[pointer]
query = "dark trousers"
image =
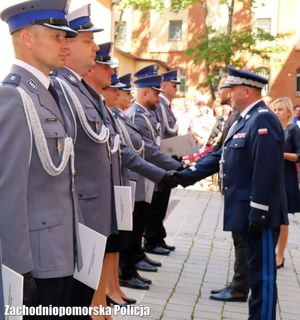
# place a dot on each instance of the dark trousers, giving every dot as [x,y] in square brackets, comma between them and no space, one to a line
[240,279]
[81,296]
[155,231]
[262,272]
[55,292]
[131,250]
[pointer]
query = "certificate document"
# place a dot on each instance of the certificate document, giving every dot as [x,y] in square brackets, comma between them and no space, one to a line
[180,145]
[13,291]
[93,250]
[123,201]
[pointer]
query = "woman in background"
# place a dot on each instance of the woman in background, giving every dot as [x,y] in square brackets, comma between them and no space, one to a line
[283,109]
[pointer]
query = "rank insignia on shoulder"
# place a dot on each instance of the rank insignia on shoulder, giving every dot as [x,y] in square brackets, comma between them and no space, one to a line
[72,78]
[263,110]
[32,84]
[12,78]
[262,131]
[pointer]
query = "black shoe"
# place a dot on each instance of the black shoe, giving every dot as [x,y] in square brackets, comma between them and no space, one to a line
[158,250]
[111,302]
[146,280]
[134,283]
[129,300]
[229,294]
[142,265]
[166,246]
[214,291]
[152,262]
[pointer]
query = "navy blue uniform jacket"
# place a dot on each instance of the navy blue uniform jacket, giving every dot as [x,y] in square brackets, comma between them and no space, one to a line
[253,182]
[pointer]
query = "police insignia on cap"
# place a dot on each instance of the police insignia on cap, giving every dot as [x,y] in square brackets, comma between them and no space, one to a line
[72,79]
[32,84]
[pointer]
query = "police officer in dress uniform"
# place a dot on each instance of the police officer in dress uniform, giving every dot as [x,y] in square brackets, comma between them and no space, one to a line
[148,88]
[38,206]
[155,232]
[99,78]
[93,158]
[238,288]
[251,168]
[129,276]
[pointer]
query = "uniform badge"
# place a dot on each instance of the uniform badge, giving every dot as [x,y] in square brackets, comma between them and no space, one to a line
[32,84]
[262,131]
[263,110]
[72,78]
[240,135]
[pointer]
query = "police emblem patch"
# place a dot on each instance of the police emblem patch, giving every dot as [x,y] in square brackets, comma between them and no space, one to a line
[32,84]
[72,79]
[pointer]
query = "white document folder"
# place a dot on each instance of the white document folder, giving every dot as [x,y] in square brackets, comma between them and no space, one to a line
[12,290]
[93,249]
[180,145]
[149,189]
[123,201]
[133,189]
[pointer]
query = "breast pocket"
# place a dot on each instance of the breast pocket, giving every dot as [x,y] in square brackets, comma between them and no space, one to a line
[237,143]
[55,135]
[93,117]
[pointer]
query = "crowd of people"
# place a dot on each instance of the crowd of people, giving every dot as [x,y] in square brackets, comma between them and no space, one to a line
[71,132]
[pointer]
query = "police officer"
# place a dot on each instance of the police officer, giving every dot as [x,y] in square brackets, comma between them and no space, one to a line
[100,78]
[129,276]
[238,288]
[155,231]
[148,88]
[93,158]
[251,168]
[38,206]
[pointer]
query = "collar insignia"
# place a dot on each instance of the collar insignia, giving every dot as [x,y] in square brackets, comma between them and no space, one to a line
[32,84]
[72,79]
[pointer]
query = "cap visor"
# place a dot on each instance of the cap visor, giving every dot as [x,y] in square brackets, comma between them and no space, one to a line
[158,89]
[117,85]
[109,62]
[92,29]
[70,33]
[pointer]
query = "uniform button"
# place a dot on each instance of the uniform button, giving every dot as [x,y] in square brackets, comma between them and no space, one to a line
[263,217]
[235,144]
[226,188]
[224,175]
[225,148]
[43,222]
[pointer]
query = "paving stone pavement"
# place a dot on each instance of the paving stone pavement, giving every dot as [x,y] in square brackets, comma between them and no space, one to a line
[203,260]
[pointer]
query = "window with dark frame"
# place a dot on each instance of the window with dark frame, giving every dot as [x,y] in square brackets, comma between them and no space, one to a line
[298,81]
[175,30]
[120,32]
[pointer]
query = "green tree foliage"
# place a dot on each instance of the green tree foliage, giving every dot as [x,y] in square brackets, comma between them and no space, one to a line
[218,48]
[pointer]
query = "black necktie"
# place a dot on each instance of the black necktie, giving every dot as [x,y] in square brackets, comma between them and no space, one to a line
[67,123]
[54,94]
[97,97]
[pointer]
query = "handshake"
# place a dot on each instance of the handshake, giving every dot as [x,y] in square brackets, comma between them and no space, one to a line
[169,180]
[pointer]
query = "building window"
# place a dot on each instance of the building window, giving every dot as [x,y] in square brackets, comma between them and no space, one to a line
[264,24]
[298,82]
[175,30]
[181,76]
[120,32]
[264,72]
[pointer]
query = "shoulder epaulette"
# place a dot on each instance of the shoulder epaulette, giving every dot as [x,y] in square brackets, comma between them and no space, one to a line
[12,78]
[263,110]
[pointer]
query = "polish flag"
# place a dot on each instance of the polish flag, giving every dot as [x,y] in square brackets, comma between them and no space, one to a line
[262,131]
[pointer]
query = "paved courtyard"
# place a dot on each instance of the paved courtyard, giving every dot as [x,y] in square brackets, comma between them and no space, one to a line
[203,260]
